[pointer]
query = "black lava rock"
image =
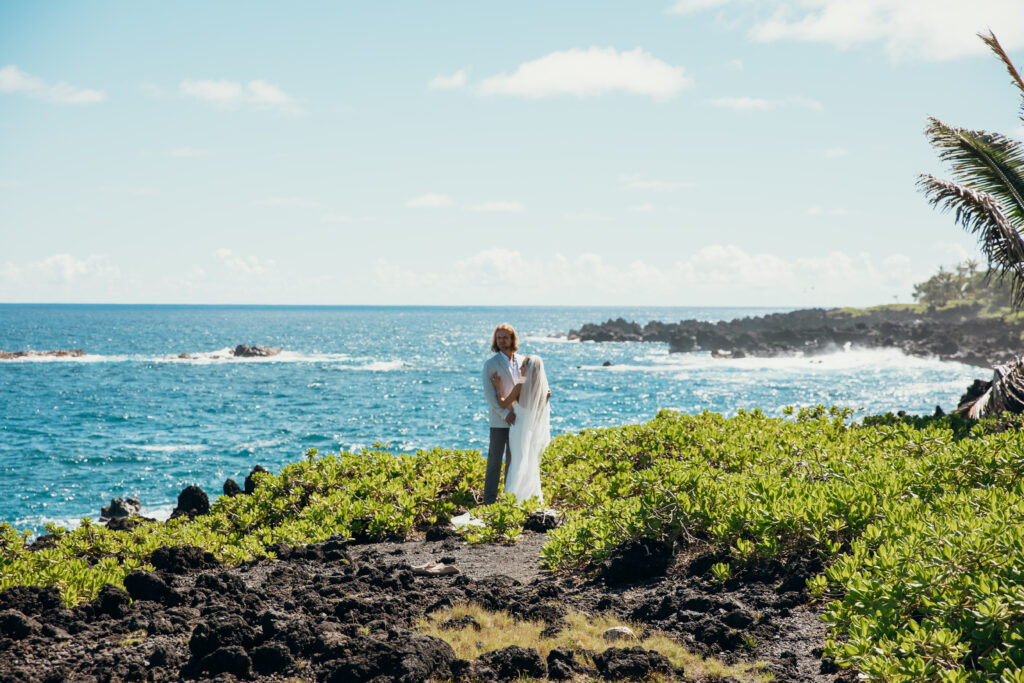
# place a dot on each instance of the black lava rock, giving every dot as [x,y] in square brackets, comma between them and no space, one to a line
[192,501]
[510,663]
[272,658]
[636,560]
[148,586]
[112,601]
[250,483]
[182,559]
[634,663]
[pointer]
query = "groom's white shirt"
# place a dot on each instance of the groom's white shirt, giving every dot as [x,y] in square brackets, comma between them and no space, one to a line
[499,363]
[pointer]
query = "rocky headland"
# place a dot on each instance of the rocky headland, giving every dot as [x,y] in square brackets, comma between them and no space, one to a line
[955,334]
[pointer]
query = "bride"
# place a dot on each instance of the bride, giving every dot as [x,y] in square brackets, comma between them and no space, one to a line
[531,432]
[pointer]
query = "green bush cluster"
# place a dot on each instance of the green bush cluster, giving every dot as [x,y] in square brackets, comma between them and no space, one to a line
[370,495]
[919,522]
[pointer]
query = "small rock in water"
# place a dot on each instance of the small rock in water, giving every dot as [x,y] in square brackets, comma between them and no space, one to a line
[120,507]
[250,483]
[231,488]
[619,633]
[607,364]
[192,501]
[255,351]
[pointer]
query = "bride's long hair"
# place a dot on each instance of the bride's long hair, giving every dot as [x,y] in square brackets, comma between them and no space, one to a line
[534,394]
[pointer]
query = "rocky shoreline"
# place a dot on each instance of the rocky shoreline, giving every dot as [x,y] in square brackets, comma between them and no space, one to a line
[338,611]
[954,334]
[348,611]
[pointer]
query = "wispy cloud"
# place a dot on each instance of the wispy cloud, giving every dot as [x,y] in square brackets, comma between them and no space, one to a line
[642,208]
[14,80]
[245,266]
[716,272]
[762,104]
[11,184]
[590,73]
[62,269]
[256,94]
[456,80]
[636,182]
[497,207]
[335,218]
[295,202]
[835,152]
[430,201]
[932,30]
[188,152]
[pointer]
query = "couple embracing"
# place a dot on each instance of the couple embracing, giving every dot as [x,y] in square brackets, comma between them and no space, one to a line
[517,394]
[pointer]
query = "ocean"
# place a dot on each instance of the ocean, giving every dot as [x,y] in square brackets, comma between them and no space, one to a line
[131,418]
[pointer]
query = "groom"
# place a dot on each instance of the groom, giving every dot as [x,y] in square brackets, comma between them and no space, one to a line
[506,363]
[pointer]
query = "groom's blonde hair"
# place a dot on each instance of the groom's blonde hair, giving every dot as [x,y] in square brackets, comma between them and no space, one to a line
[508,328]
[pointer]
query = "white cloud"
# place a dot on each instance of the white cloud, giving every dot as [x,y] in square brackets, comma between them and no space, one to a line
[642,208]
[14,80]
[257,94]
[287,201]
[835,152]
[456,80]
[188,152]
[11,184]
[761,104]
[590,73]
[720,274]
[497,207]
[245,266]
[430,201]
[956,251]
[931,30]
[59,269]
[633,181]
[736,64]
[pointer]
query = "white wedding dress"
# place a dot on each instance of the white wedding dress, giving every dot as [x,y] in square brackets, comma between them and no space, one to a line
[530,434]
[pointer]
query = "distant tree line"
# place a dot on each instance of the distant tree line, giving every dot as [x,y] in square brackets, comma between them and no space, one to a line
[965,284]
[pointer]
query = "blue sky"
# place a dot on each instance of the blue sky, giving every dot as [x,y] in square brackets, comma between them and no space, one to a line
[702,152]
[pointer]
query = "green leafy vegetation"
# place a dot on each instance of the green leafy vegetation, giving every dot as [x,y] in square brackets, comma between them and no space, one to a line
[989,291]
[919,521]
[370,495]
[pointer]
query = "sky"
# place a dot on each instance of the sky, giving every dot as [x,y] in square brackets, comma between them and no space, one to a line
[680,152]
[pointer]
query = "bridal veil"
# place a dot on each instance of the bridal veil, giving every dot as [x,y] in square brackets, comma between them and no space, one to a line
[530,434]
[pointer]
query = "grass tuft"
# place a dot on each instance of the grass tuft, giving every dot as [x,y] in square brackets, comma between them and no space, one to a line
[499,629]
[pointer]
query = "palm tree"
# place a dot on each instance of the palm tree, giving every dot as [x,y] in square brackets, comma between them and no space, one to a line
[986,197]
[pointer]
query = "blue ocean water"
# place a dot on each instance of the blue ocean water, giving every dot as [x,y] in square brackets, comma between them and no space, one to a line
[131,418]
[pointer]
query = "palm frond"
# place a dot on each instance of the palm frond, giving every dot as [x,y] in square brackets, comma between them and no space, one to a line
[980,214]
[989,162]
[1018,82]
[1005,392]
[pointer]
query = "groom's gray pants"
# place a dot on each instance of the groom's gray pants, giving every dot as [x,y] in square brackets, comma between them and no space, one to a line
[499,447]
